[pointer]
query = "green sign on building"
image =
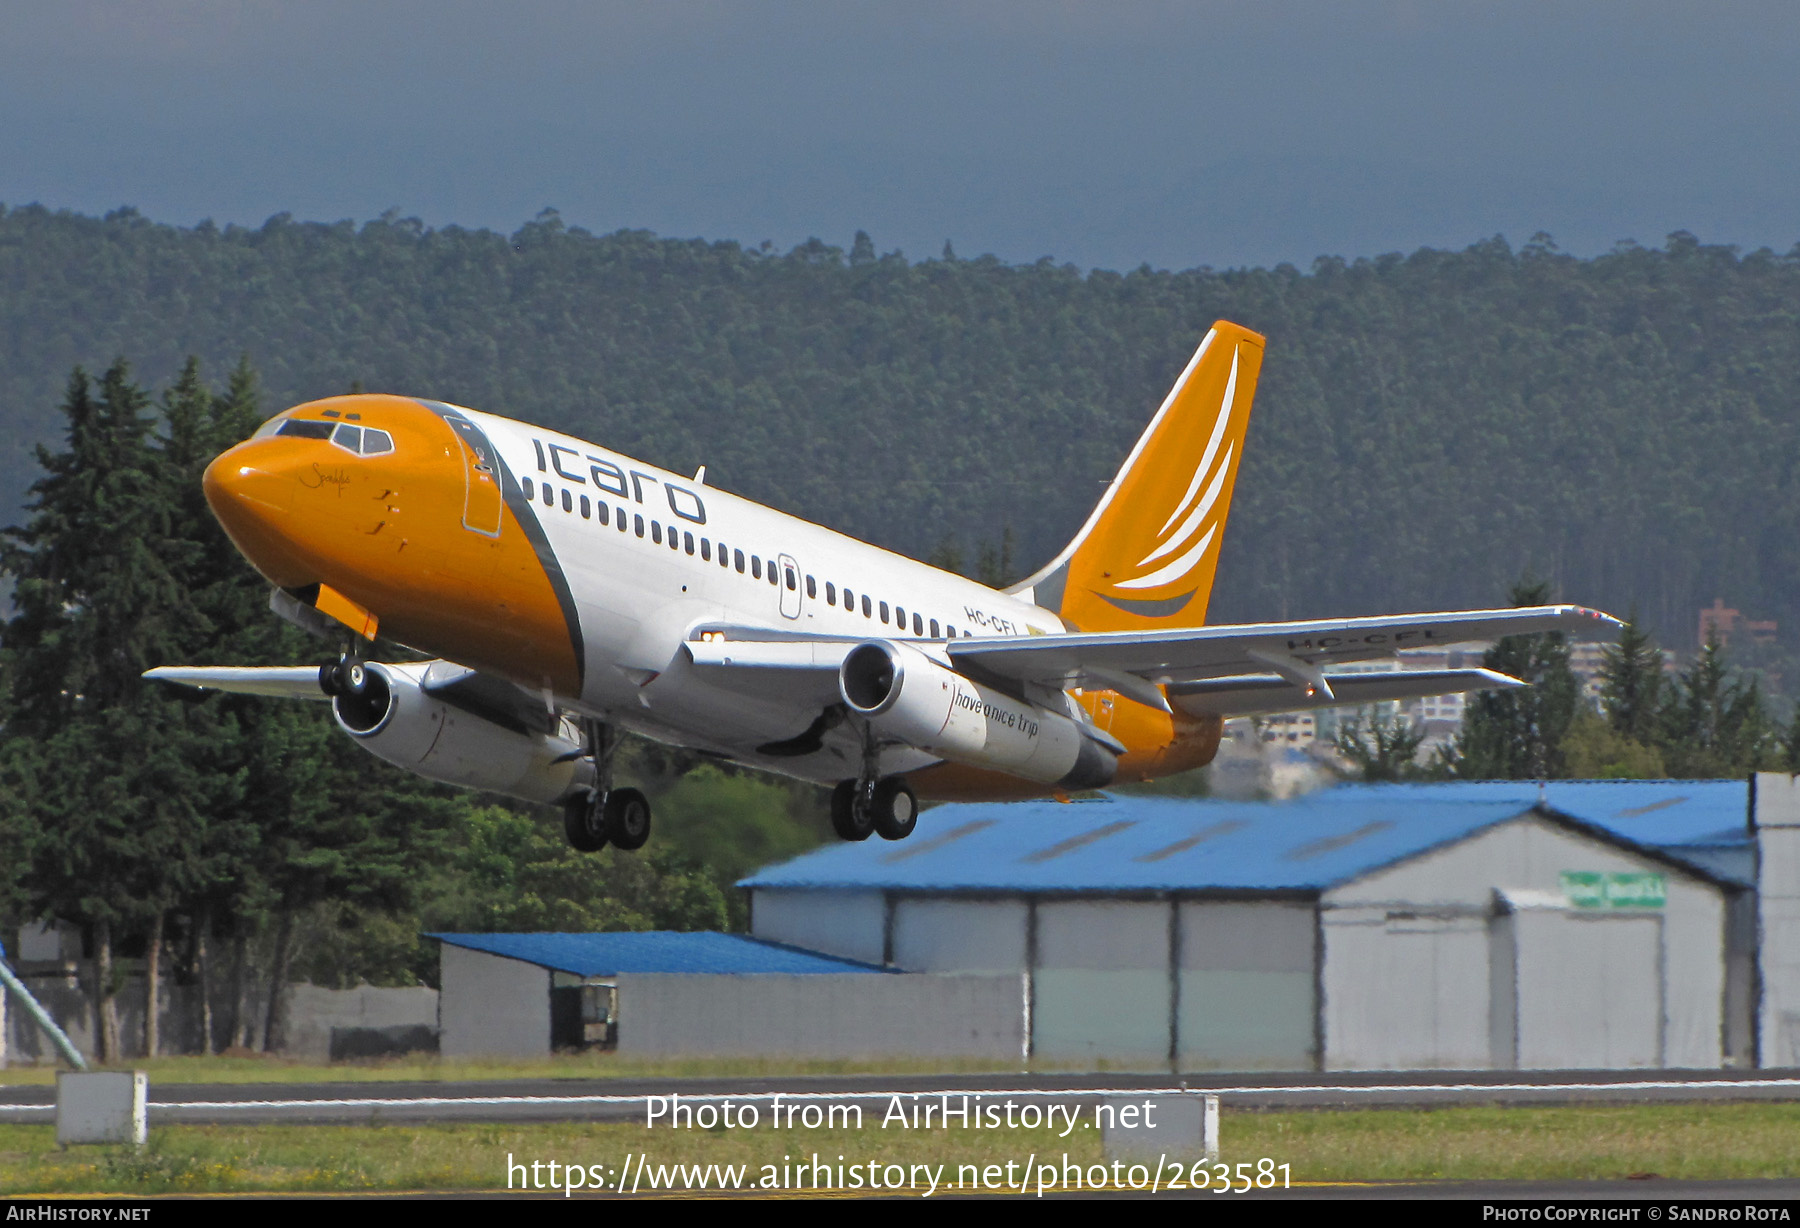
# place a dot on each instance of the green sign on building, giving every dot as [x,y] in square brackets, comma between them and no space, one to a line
[1593,889]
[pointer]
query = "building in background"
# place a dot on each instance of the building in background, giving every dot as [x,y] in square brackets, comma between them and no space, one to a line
[1449,926]
[1726,623]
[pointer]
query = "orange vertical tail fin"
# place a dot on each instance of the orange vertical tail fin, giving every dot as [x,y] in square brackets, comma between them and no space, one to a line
[1146,556]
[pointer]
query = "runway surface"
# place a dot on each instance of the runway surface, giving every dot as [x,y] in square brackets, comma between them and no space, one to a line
[625,1099]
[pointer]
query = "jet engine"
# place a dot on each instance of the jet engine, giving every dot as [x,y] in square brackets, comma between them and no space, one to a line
[909,697]
[396,718]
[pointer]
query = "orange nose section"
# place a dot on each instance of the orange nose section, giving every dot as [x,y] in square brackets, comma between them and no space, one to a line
[253,498]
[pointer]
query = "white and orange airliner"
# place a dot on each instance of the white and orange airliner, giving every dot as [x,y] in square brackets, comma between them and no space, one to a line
[568,593]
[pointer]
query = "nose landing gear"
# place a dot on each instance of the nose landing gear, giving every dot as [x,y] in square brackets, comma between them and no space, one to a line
[603,815]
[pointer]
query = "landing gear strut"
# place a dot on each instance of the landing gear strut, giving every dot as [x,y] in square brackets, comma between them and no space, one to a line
[873,805]
[602,814]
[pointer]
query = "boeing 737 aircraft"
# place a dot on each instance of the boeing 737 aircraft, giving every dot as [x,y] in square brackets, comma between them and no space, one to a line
[568,593]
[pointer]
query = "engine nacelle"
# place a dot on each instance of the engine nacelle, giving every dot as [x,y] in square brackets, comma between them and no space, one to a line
[907,696]
[397,720]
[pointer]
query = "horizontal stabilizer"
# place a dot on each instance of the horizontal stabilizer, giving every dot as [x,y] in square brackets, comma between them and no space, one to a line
[280,681]
[1261,694]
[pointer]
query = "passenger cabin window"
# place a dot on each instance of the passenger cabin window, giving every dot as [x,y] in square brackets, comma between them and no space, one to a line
[568,502]
[549,496]
[529,488]
[584,508]
[737,560]
[868,608]
[812,589]
[884,612]
[830,593]
[674,538]
[687,541]
[918,624]
[706,549]
[773,578]
[934,629]
[900,618]
[637,524]
[755,567]
[656,531]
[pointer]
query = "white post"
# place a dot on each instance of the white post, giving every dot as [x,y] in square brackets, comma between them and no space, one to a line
[1209,1129]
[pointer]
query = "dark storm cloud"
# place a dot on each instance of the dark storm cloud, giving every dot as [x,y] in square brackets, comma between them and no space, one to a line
[1107,134]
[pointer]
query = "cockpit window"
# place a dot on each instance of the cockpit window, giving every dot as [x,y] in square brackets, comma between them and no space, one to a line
[366,440]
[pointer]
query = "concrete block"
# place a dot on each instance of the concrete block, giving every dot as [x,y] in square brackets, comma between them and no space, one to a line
[103,1106]
[1148,1127]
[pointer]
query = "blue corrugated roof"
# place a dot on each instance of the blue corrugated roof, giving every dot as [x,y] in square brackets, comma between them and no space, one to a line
[653,951]
[1664,813]
[1126,843]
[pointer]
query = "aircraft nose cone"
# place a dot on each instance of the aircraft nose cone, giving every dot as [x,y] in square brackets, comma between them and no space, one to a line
[235,480]
[252,501]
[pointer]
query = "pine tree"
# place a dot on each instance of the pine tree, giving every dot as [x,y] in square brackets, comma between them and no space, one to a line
[1631,684]
[1383,749]
[96,604]
[1518,734]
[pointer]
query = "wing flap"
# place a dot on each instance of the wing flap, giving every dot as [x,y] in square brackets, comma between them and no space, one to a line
[1261,694]
[1200,653]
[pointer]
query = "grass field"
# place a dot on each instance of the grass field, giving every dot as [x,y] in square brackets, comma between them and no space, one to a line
[1598,1142]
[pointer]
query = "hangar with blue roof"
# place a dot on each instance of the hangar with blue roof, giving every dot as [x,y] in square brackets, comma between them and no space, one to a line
[530,993]
[1504,925]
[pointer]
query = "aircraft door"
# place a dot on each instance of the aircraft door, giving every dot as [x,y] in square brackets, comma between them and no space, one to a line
[481,503]
[790,587]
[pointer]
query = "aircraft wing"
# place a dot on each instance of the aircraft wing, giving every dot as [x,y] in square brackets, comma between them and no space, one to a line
[484,695]
[1131,662]
[280,681]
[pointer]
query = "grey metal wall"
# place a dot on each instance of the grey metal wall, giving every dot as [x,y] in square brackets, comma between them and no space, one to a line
[491,1005]
[851,924]
[1413,954]
[949,934]
[1248,987]
[848,1015]
[1589,990]
[1405,989]
[1101,988]
[1777,814]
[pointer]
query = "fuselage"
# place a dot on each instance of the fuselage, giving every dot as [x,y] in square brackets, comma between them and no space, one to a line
[578,573]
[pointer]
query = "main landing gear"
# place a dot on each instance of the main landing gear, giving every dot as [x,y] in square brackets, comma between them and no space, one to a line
[872,805]
[887,808]
[604,815]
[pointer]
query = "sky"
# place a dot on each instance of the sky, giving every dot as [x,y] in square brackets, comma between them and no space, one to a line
[1104,134]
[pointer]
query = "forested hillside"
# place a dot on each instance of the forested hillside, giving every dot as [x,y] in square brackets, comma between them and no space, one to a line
[1429,427]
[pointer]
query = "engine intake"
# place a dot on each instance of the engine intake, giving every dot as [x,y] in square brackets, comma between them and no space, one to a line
[396,719]
[910,697]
